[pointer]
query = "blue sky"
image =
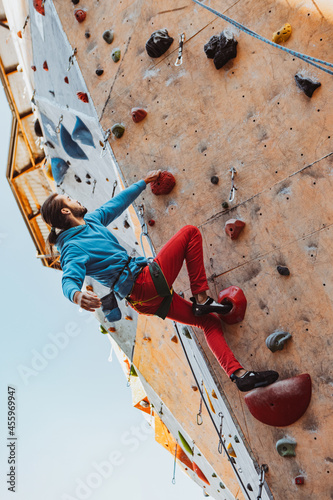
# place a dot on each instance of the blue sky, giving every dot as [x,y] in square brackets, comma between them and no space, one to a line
[78,436]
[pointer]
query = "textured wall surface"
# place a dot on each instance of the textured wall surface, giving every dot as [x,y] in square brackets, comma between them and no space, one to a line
[250,115]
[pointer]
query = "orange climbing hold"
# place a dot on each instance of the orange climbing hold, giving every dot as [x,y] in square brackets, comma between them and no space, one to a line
[200,474]
[233,228]
[82,96]
[39,6]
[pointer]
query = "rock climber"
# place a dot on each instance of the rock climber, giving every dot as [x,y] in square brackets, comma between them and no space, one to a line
[88,248]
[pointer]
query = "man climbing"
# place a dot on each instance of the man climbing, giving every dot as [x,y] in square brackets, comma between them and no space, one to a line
[88,248]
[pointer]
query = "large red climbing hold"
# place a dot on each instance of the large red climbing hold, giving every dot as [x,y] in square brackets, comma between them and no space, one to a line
[138,114]
[281,403]
[82,96]
[236,296]
[39,6]
[80,15]
[164,183]
[233,228]
[200,474]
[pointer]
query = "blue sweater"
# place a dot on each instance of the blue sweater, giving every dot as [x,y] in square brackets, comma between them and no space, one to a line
[92,250]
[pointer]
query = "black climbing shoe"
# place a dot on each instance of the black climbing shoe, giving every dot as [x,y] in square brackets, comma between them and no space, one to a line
[252,380]
[210,306]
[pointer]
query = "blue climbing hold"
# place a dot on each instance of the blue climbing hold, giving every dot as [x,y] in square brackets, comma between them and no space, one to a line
[82,134]
[59,168]
[70,146]
[49,128]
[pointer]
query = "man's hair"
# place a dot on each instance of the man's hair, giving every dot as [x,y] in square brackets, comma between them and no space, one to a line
[51,214]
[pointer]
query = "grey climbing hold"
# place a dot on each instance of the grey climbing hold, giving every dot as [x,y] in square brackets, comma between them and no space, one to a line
[276,340]
[214,179]
[286,447]
[186,332]
[82,134]
[283,270]
[116,55]
[108,36]
[99,71]
[222,486]
[158,43]
[118,130]
[221,48]
[308,86]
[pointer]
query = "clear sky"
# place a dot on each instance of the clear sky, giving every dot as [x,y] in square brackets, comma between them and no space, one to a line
[78,436]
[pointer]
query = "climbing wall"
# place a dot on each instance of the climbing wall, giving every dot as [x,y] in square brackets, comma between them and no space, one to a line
[201,122]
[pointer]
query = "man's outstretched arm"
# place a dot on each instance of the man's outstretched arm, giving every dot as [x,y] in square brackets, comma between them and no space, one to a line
[116,206]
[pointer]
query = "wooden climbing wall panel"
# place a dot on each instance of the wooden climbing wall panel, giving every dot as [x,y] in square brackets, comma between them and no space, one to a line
[249,115]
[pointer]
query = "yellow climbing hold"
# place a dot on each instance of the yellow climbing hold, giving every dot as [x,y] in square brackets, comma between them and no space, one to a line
[283,34]
[214,394]
[209,401]
[231,451]
[48,171]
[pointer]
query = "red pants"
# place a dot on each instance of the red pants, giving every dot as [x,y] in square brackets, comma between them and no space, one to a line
[186,244]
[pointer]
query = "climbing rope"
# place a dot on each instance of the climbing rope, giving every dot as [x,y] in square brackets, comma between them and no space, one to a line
[199,415]
[174,465]
[304,57]
[220,447]
[211,416]
[144,232]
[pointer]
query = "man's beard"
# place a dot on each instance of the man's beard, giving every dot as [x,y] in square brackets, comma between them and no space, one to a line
[79,211]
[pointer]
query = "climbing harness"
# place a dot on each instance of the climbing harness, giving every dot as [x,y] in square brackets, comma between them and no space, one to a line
[179,60]
[174,465]
[71,59]
[144,232]
[199,415]
[304,57]
[59,123]
[263,470]
[220,434]
[162,289]
[105,141]
[233,188]
[114,188]
[210,415]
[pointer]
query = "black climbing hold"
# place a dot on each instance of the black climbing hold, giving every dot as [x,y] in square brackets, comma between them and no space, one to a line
[108,36]
[186,332]
[52,93]
[126,224]
[249,487]
[87,34]
[214,179]
[88,182]
[77,178]
[158,43]
[49,144]
[283,270]
[221,48]
[38,129]
[99,71]
[75,2]
[225,204]
[308,86]
[88,176]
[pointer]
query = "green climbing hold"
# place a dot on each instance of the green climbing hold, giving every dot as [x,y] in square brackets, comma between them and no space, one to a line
[286,447]
[185,444]
[186,332]
[133,372]
[222,486]
[118,130]
[103,330]
[214,475]
[116,55]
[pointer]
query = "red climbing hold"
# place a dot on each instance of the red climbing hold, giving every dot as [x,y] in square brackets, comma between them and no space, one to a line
[164,184]
[200,474]
[39,6]
[45,66]
[33,68]
[183,458]
[138,114]
[151,222]
[80,15]
[233,228]
[82,96]
[236,296]
[66,79]
[281,403]
[299,480]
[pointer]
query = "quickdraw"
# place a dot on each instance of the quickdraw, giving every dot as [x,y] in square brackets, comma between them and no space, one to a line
[263,470]
[144,232]
[233,187]
[199,415]
[179,60]
[71,59]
